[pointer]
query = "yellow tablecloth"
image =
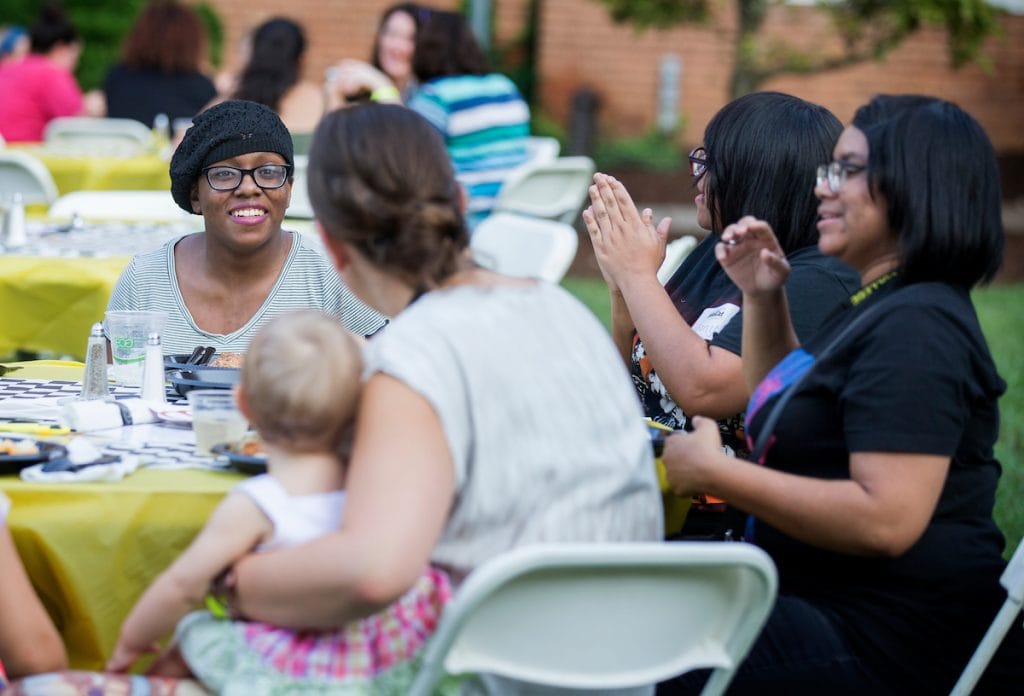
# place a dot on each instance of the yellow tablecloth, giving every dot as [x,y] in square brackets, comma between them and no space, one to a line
[96,172]
[48,304]
[92,548]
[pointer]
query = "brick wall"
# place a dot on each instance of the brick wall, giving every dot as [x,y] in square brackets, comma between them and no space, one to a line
[579,46]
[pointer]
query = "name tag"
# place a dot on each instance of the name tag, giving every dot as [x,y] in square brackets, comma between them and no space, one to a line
[713,319]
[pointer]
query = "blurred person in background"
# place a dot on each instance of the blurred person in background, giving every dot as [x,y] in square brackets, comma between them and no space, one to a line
[161,66]
[273,76]
[41,86]
[389,75]
[14,44]
[481,114]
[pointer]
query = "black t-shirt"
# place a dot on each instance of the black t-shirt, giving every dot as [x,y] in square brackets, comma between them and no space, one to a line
[710,302]
[142,94]
[917,377]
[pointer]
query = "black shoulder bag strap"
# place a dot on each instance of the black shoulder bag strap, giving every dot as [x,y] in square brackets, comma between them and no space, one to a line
[773,416]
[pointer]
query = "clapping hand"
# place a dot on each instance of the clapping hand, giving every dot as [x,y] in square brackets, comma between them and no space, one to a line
[751,255]
[626,241]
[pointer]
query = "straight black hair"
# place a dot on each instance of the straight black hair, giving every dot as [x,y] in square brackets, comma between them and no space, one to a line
[763,150]
[277,49]
[52,27]
[936,170]
[445,47]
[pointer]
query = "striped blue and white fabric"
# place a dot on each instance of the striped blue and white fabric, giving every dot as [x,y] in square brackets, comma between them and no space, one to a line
[485,123]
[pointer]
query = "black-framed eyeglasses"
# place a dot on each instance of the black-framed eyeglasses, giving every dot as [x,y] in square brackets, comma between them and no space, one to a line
[835,172]
[267,176]
[698,162]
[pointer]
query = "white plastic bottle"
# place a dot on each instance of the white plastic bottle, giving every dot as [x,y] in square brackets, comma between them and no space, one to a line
[153,371]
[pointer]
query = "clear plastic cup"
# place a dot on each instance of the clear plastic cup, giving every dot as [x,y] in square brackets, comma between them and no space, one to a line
[127,332]
[215,418]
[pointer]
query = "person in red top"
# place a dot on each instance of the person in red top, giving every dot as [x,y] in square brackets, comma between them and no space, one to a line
[42,86]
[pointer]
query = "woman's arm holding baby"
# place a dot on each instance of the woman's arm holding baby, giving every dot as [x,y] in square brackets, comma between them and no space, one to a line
[400,489]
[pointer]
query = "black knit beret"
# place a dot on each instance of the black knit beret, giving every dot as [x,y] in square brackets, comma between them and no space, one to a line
[228,129]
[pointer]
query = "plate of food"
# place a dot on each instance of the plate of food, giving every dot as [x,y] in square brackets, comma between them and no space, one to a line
[18,452]
[203,356]
[174,414]
[186,379]
[246,455]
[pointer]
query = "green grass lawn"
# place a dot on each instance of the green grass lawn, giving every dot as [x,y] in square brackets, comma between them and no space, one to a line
[1000,311]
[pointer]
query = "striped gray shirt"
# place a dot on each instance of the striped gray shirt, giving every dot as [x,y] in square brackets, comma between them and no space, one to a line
[540,416]
[307,281]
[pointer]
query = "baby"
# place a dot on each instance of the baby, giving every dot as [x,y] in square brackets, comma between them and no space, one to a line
[299,389]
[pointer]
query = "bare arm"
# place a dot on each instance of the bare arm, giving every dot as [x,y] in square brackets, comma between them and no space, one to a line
[234,528]
[629,249]
[29,642]
[400,489]
[882,509]
[758,266]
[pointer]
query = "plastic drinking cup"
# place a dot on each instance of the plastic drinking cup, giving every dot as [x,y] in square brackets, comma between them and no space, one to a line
[215,418]
[127,332]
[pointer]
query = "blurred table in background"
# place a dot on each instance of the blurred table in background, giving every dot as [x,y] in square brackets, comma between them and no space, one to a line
[84,169]
[55,287]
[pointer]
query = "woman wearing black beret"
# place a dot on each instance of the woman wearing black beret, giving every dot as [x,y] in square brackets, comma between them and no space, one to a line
[218,287]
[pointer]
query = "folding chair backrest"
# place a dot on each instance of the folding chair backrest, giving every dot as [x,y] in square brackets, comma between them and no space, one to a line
[1013,580]
[553,189]
[605,616]
[118,205]
[675,252]
[542,148]
[22,173]
[124,136]
[300,207]
[524,247]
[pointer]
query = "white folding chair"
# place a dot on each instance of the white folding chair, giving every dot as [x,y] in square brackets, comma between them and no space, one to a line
[121,135]
[554,189]
[1013,580]
[300,207]
[604,615]
[522,246]
[118,205]
[542,148]
[675,252]
[22,173]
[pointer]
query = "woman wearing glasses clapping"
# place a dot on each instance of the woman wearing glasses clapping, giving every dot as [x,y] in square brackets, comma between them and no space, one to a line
[682,340]
[875,479]
[234,167]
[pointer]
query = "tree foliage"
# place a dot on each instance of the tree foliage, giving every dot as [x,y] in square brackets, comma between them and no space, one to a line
[866,29]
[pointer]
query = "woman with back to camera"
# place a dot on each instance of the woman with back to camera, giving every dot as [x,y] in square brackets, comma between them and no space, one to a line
[219,286]
[161,66]
[682,340]
[273,75]
[876,480]
[456,458]
[481,114]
